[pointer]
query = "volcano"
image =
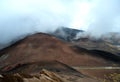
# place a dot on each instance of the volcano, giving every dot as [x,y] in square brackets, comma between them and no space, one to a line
[36,49]
[40,46]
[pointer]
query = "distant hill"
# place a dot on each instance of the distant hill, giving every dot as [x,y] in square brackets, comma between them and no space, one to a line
[109,42]
[66,34]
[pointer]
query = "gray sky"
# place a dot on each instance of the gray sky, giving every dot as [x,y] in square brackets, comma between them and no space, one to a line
[18,17]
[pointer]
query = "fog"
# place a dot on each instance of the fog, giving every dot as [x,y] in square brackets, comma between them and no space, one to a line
[106,17]
[21,17]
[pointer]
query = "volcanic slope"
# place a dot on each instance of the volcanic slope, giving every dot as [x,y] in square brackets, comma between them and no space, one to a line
[41,47]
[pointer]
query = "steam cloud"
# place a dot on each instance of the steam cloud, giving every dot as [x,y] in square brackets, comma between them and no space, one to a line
[19,17]
[106,15]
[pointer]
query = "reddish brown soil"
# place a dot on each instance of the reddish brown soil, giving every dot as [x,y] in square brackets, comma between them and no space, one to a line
[40,47]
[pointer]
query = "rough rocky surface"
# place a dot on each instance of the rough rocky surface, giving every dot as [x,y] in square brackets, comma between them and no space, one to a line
[43,76]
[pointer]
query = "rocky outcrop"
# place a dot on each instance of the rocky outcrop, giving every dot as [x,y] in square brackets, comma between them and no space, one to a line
[43,76]
[66,34]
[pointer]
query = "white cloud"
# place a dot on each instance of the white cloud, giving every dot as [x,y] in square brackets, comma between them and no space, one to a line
[18,17]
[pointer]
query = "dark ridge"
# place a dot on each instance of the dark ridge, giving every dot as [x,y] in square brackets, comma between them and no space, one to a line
[99,53]
[36,67]
[107,55]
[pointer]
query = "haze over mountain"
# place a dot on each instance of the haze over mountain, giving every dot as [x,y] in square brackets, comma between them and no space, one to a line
[42,38]
[22,17]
